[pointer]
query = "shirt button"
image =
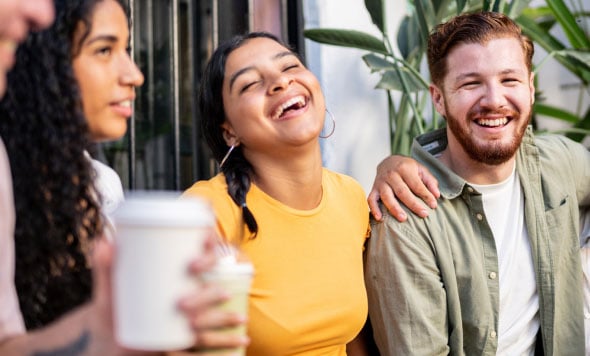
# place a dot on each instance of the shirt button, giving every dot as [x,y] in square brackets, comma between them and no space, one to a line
[492,275]
[470,190]
[493,334]
[479,217]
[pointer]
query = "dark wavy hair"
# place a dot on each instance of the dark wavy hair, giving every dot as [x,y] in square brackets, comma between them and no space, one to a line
[45,132]
[236,169]
[477,27]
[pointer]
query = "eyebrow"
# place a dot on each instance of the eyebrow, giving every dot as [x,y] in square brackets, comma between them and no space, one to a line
[108,38]
[249,68]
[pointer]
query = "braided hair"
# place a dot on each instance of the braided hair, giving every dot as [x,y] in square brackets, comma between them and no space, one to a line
[236,169]
[45,132]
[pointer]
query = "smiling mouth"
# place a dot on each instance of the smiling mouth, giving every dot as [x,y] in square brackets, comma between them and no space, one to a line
[492,122]
[295,103]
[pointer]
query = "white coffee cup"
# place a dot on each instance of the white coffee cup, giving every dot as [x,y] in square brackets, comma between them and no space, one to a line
[157,235]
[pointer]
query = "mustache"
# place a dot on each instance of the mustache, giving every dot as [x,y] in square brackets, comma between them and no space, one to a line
[478,113]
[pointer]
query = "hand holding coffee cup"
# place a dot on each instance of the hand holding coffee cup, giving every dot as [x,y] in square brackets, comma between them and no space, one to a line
[157,237]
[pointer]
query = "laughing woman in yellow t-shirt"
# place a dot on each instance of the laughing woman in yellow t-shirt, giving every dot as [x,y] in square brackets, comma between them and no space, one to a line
[302,226]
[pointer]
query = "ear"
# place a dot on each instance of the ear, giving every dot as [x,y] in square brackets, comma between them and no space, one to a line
[437,99]
[229,135]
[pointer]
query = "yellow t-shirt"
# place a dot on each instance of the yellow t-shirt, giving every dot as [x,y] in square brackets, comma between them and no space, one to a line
[308,295]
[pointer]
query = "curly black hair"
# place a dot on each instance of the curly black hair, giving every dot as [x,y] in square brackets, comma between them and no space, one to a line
[45,132]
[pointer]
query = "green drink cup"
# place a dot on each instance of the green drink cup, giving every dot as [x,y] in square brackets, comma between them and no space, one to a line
[236,279]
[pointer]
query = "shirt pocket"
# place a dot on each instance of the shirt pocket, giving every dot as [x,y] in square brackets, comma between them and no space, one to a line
[562,224]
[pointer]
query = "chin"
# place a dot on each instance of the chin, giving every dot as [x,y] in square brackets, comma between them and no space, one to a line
[110,135]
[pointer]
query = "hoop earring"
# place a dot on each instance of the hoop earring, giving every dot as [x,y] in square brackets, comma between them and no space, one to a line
[231,148]
[333,125]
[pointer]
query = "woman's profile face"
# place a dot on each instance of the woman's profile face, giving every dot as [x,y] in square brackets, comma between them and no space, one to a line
[271,100]
[106,74]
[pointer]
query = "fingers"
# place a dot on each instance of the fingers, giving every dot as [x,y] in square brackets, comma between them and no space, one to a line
[204,298]
[215,318]
[210,320]
[208,256]
[212,339]
[431,184]
[402,180]
[397,191]
[373,200]
[203,309]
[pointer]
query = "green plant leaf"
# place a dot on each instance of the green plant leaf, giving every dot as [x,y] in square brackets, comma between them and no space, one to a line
[547,41]
[346,38]
[376,63]
[514,8]
[425,16]
[390,80]
[556,113]
[582,56]
[582,124]
[538,34]
[376,9]
[461,5]
[409,40]
[566,19]
[542,16]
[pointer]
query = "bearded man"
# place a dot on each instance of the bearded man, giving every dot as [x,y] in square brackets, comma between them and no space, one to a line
[495,269]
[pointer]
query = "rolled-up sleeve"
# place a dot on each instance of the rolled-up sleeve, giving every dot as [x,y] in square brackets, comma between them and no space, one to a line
[407,300]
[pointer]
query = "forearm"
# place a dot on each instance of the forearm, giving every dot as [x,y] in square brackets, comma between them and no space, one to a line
[68,335]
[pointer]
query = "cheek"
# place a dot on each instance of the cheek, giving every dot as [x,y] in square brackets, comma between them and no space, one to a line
[246,107]
[86,84]
[461,104]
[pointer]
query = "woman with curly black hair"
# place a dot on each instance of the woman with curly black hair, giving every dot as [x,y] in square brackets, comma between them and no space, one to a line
[73,84]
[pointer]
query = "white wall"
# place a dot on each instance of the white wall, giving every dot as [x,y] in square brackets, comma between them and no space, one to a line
[360,140]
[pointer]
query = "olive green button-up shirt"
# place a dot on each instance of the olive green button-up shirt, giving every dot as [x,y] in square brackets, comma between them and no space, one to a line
[431,282]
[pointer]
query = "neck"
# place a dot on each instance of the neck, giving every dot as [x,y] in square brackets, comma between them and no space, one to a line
[473,171]
[295,181]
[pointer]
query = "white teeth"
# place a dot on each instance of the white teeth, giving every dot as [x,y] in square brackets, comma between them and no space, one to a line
[296,100]
[126,103]
[493,123]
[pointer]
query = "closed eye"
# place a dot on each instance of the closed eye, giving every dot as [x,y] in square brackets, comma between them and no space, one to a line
[247,86]
[292,66]
[511,80]
[470,84]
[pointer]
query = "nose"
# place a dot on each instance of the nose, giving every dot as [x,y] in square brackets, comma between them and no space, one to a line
[38,13]
[280,82]
[493,97]
[130,73]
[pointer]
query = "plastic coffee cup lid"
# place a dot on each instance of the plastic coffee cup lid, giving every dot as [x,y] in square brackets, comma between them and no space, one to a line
[163,208]
[228,265]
